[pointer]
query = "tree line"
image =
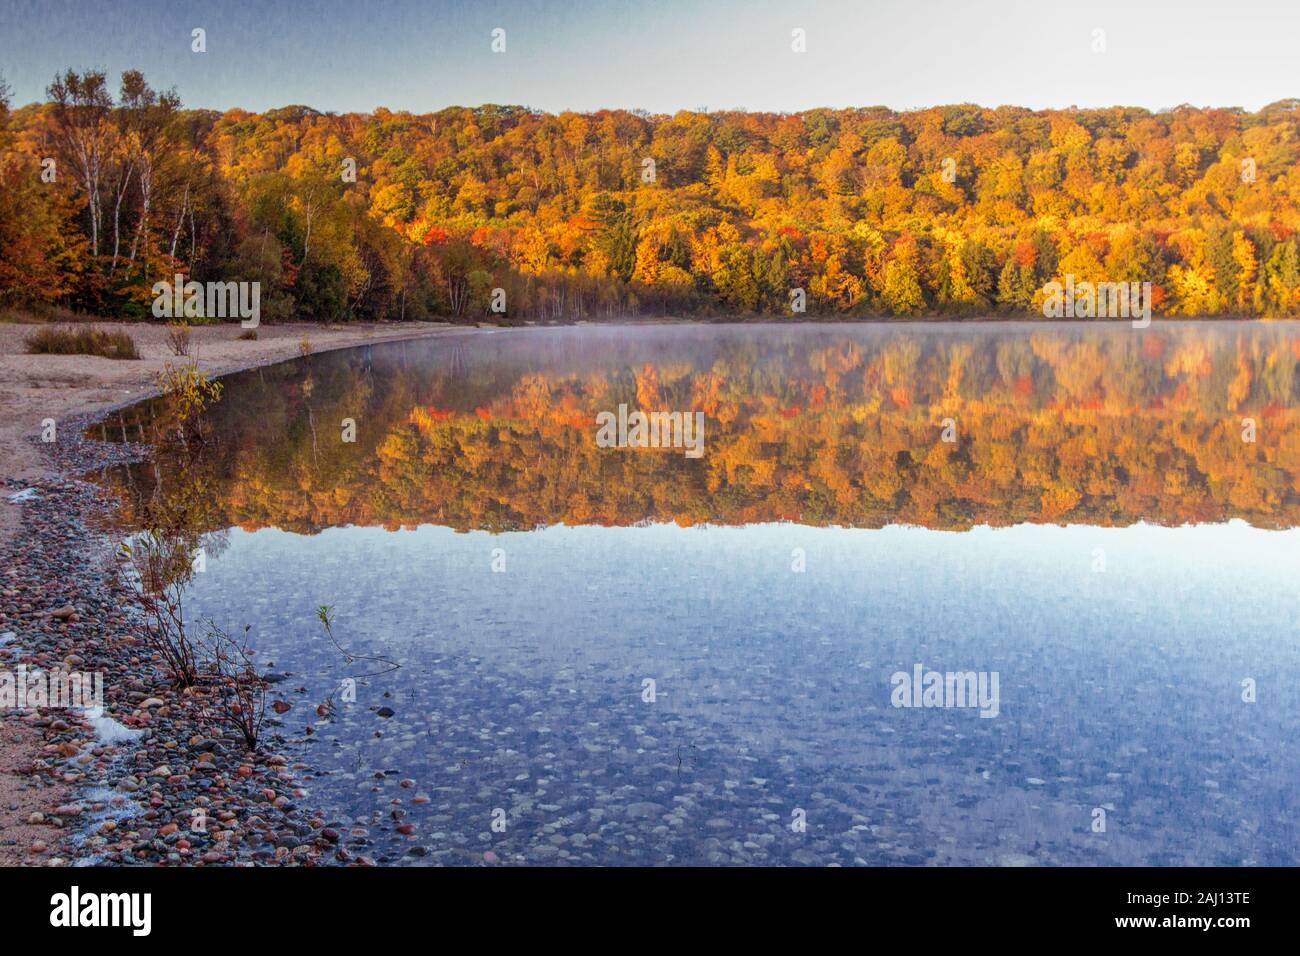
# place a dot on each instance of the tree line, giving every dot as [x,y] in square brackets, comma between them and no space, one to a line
[509,213]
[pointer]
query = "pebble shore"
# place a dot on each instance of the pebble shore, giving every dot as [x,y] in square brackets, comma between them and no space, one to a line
[158,779]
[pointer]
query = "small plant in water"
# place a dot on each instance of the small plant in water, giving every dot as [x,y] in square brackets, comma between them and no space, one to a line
[304,347]
[323,615]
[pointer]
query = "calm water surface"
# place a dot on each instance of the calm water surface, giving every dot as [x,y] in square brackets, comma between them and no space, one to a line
[1098,532]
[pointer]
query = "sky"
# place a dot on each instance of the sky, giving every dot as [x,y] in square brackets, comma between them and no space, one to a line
[666,55]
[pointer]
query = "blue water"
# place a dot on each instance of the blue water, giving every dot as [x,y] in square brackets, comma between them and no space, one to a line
[523,690]
[584,681]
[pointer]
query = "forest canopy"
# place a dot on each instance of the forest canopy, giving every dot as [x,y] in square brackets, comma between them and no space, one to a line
[951,211]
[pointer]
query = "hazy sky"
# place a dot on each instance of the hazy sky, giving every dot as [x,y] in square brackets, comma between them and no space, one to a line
[664,55]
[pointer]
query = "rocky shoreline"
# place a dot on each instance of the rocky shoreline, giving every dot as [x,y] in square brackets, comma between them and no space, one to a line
[47,555]
[156,779]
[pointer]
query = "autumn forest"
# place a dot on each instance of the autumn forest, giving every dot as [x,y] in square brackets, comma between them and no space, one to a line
[954,211]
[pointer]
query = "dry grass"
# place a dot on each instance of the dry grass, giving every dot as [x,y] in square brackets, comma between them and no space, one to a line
[53,340]
[178,338]
[41,315]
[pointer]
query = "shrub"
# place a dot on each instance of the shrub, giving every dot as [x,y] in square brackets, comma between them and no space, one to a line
[189,391]
[239,690]
[248,335]
[59,341]
[163,564]
[178,338]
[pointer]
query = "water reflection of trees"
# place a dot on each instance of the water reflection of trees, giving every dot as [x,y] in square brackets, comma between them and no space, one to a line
[1100,427]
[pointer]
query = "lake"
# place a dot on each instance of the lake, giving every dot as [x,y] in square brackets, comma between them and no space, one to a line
[612,654]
